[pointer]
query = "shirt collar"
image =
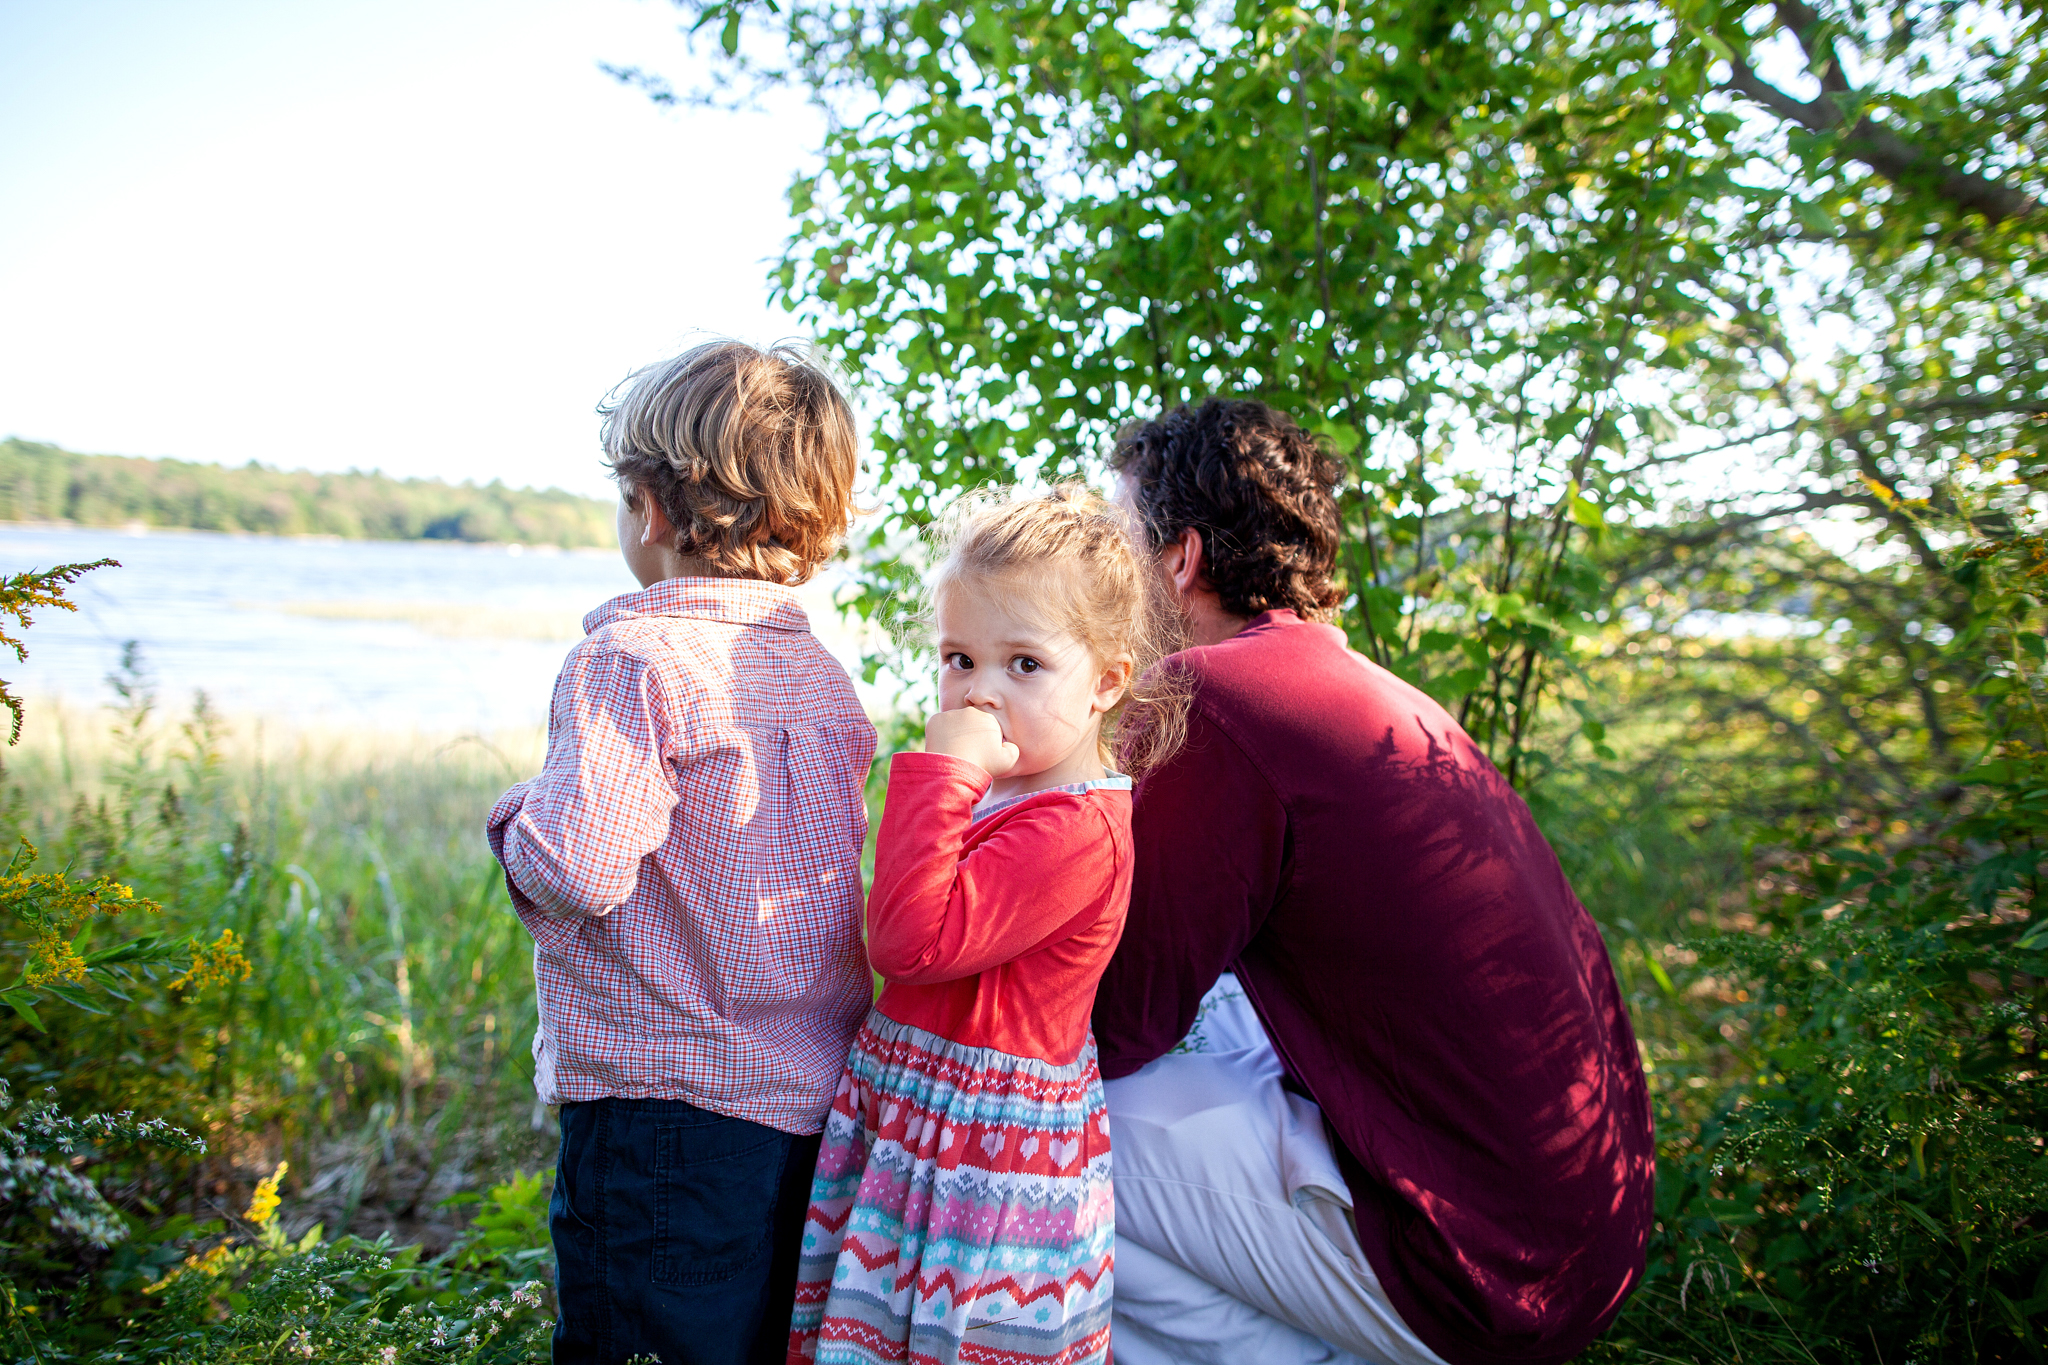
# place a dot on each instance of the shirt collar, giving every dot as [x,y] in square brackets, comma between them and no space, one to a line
[736,601]
[1115,782]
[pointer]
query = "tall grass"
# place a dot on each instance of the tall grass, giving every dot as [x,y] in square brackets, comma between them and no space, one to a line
[382,1042]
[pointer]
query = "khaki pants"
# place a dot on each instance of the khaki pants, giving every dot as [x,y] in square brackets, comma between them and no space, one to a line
[1234,1235]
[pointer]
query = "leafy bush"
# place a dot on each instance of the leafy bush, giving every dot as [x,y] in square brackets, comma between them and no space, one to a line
[96,1265]
[251,1293]
[385,1019]
[509,1233]
[1874,1175]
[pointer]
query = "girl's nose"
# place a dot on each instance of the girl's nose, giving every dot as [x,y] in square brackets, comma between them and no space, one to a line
[980,696]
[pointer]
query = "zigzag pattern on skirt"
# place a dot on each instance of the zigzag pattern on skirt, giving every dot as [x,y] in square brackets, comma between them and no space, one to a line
[961,1210]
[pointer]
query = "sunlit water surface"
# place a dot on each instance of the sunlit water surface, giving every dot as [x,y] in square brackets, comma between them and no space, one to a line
[427,637]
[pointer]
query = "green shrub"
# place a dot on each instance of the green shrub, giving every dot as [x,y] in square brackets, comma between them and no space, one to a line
[105,1255]
[223,1290]
[1871,1179]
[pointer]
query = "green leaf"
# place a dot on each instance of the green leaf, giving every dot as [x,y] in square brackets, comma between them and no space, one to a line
[1657,972]
[22,1003]
[1919,1216]
[74,997]
[1714,45]
[1814,216]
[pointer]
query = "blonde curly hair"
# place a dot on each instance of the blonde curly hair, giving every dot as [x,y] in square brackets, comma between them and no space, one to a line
[1067,558]
[751,453]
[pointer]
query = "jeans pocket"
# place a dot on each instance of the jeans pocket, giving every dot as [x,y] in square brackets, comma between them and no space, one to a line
[715,1186]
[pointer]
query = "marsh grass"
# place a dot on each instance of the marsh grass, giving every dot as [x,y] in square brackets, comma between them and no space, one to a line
[381,1043]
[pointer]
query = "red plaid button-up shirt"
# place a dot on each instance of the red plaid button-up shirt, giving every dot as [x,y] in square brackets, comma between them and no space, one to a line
[688,860]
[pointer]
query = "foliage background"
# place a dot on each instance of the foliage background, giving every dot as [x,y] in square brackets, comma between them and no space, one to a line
[1687,362]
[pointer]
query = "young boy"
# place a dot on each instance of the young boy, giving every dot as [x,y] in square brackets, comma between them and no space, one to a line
[688,863]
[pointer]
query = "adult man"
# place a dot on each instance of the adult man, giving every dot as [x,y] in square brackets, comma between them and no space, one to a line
[1443,1154]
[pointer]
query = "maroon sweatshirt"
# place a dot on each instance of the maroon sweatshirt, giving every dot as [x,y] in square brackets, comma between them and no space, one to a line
[1425,973]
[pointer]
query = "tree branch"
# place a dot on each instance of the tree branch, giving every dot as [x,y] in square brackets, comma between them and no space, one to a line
[1669,544]
[1868,141]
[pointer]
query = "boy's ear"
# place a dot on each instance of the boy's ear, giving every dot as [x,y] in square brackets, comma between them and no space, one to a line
[656,529]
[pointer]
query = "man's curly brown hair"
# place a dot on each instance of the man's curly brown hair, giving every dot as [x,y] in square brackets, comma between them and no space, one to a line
[1256,486]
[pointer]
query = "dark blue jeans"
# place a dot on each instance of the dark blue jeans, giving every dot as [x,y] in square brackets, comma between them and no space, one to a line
[676,1234]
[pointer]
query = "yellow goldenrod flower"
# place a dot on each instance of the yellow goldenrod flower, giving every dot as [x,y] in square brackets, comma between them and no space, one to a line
[210,1263]
[215,964]
[263,1204]
[53,959]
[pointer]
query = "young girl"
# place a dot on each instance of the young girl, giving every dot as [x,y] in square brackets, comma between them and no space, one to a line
[961,1208]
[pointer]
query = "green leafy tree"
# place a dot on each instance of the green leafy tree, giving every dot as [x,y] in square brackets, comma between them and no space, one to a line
[1585,294]
[1875,1172]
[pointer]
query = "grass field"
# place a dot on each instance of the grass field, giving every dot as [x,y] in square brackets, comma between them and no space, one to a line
[381,1044]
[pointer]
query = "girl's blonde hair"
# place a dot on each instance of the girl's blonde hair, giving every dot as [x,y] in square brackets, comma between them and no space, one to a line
[1067,558]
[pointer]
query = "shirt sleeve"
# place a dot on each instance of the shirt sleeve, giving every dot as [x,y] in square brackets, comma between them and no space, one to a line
[1211,854]
[934,916]
[571,840]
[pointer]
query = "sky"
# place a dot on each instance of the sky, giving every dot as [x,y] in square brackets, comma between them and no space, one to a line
[421,236]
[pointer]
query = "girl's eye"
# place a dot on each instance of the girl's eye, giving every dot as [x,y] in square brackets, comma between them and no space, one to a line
[1027,665]
[959,661]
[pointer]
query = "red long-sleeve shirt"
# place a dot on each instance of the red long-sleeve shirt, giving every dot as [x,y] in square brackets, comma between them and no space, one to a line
[992,932]
[1425,973]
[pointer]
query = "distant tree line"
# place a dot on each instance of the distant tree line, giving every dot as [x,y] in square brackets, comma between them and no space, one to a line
[41,482]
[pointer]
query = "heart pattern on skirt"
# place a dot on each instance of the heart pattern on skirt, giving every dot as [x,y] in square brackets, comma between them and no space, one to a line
[1064,1150]
[992,1142]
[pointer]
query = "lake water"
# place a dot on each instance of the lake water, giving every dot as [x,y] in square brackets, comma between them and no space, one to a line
[402,636]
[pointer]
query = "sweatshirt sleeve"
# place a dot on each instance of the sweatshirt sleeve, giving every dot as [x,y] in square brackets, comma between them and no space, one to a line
[571,840]
[934,916]
[1211,852]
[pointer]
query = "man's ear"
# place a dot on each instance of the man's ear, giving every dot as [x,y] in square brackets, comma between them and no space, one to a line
[1184,562]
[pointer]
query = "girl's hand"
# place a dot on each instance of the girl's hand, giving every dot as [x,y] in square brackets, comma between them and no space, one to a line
[973,735]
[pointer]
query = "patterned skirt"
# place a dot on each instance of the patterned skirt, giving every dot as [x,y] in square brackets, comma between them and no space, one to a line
[961,1209]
